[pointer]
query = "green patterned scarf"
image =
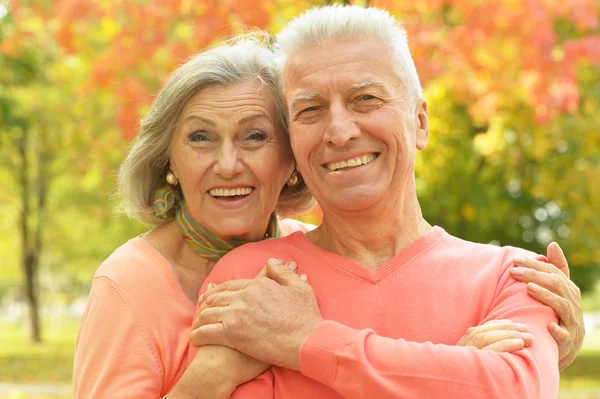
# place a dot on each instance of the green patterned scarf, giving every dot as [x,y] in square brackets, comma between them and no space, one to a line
[203,241]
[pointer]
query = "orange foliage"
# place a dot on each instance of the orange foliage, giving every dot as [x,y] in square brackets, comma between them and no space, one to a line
[485,50]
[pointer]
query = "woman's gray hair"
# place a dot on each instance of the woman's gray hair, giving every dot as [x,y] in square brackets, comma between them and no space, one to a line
[143,171]
[325,26]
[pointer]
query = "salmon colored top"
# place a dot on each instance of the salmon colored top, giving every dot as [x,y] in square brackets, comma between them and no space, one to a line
[391,332]
[134,335]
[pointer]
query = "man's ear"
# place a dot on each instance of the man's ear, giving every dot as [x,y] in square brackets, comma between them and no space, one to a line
[422,125]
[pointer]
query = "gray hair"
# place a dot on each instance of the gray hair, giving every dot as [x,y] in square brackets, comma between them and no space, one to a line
[323,26]
[143,171]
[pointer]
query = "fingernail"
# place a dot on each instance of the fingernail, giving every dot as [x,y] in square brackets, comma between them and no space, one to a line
[211,286]
[304,277]
[528,336]
[517,271]
[293,265]
[519,260]
[201,299]
[276,261]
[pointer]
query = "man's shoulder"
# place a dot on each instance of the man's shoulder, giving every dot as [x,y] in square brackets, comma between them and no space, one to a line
[480,254]
[249,259]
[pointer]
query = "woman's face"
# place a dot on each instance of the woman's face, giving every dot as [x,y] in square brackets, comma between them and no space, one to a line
[232,157]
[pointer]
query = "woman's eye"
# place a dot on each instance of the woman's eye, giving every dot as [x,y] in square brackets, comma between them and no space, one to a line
[255,135]
[199,137]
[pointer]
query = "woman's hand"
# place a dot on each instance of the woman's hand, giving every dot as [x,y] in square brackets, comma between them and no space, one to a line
[498,336]
[549,283]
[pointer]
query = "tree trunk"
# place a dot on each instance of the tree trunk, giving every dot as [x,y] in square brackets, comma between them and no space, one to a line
[30,255]
[31,267]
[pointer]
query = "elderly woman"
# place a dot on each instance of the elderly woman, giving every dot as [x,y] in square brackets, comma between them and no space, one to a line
[210,169]
[390,295]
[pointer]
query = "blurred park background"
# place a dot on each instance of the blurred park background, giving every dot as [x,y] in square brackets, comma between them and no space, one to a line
[513,88]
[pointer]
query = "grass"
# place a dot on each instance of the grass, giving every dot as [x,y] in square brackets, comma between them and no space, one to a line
[48,362]
[52,361]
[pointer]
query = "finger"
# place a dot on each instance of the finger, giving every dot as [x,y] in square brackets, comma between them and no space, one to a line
[212,334]
[217,299]
[560,305]
[284,274]
[556,256]
[208,316]
[262,273]
[482,340]
[497,325]
[561,335]
[507,345]
[535,264]
[231,285]
[554,282]
[474,333]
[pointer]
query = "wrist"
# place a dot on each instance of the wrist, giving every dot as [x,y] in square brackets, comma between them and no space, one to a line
[307,330]
[205,377]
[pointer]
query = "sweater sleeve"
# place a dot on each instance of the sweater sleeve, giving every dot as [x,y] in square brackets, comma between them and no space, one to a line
[115,357]
[360,363]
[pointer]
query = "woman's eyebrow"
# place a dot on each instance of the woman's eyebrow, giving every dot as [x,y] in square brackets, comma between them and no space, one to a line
[250,118]
[200,118]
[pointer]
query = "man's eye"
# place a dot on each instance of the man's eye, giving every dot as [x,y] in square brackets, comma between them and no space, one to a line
[199,136]
[309,109]
[366,97]
[255,135]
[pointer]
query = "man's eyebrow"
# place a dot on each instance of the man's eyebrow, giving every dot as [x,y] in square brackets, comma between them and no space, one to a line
[250,118]
[366,83]
[304,97]
[200,118]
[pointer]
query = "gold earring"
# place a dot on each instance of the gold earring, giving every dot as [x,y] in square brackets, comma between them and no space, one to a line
[293,180]
[171,179]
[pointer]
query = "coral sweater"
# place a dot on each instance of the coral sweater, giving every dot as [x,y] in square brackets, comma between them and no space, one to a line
[392,332]
[134,335]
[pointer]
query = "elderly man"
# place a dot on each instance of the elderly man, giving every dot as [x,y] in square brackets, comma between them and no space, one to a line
[390,295]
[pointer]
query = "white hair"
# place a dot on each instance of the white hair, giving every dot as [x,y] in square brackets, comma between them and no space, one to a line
[325,26]
[143,171]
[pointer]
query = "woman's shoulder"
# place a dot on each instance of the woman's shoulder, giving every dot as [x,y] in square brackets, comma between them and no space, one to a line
[289,226]
[132,262]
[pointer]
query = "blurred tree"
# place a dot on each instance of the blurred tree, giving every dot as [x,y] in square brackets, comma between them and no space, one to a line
[44,183]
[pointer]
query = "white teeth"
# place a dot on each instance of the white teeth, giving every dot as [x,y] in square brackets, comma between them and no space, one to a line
[224,192]
[365,159]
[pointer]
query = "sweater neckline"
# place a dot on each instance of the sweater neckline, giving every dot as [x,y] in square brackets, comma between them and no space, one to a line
[373,276]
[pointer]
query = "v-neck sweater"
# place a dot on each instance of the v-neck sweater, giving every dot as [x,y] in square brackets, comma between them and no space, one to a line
[134,336]
[392,332]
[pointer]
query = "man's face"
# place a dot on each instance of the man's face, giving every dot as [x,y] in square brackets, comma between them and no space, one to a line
[352,128]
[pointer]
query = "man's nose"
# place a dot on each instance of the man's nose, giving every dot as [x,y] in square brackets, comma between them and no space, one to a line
[341,128]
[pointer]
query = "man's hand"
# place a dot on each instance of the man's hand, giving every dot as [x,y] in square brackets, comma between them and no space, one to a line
[268,318]
[549,283]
